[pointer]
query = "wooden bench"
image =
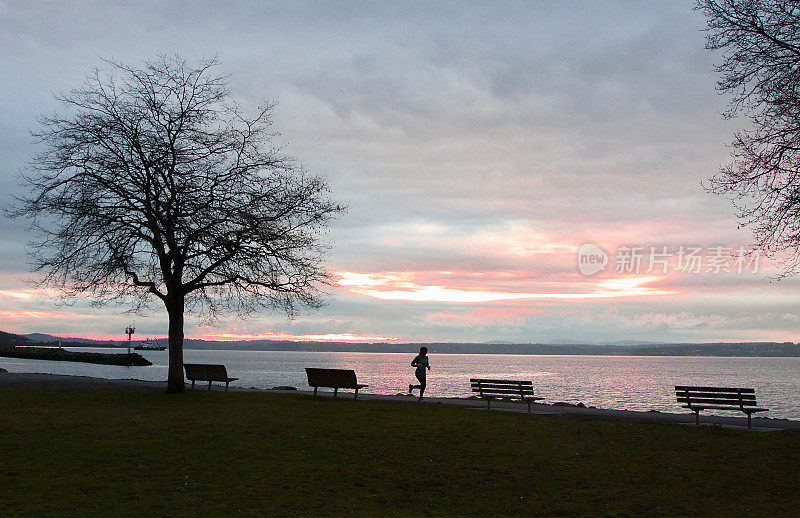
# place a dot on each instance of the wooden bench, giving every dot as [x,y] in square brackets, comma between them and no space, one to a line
[718,398]
[333,378]
[497,389]
[207,372]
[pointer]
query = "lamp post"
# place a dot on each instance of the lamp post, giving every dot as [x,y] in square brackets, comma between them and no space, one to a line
[129,331]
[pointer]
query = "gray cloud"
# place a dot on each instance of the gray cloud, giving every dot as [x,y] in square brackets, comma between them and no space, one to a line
[584,120]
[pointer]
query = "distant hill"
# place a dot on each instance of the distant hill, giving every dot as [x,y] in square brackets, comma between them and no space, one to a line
[12,339]
[569,341]
[631,342]
[40,337]
[562,341]
[46,339]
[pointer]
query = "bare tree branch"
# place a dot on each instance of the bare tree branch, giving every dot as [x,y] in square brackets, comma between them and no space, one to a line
[155,184]
[760,44]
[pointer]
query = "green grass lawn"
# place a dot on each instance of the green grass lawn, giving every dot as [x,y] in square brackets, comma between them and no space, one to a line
[219,453]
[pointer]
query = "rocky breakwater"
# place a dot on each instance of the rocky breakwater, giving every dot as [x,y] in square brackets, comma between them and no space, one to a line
[62,355]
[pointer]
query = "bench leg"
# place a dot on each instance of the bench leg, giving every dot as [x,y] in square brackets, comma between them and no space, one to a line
[335,391]
[226,385]
[315,390]
[748,420]
[192,384]
[697,417]
[209,385]
[355,396]
[489,404]
[529,406]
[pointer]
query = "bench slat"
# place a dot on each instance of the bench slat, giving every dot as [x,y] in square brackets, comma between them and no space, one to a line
[727,407]
[705,395]
[715,389]
[503,387]
[498,384]
[726,395]
[515,382]
[206,372]
[717,401]
[504,391]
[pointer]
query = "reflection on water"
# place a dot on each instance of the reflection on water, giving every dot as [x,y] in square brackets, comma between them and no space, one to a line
[621,382]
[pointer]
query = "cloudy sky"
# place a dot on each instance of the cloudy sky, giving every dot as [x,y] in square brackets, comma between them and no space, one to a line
[478,146]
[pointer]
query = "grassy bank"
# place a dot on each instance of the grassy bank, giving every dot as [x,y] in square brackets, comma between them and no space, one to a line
[215,453]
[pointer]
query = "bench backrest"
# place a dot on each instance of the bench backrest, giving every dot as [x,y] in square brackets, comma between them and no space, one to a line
[205,372]
[740,397]
[334,378]
[486,387]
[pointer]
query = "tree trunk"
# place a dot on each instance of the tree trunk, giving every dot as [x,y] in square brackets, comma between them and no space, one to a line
[175,308]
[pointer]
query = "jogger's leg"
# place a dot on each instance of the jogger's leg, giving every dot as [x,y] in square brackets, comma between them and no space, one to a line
[422,384]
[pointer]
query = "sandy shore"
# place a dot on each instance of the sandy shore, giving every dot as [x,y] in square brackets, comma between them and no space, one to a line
[59,383]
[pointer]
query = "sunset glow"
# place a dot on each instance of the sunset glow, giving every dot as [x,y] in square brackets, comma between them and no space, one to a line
[36,315]
[397,286]
[16,294]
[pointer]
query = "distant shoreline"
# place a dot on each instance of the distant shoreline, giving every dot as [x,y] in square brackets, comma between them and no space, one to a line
[693,350]
[724,349]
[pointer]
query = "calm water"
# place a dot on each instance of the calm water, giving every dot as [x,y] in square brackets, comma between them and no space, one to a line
[619,382]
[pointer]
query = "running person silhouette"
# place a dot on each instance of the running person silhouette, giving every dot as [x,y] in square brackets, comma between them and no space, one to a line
[421,363]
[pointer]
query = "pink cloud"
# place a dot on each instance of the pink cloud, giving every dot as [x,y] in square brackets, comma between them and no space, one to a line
[406,286]
[484,316]
[36,315]
[21,294]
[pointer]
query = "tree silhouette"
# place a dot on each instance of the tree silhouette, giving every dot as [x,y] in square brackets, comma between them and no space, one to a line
[760,45]
[156,185]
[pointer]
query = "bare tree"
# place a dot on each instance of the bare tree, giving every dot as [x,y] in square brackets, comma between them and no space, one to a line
[760,45]
[156,185]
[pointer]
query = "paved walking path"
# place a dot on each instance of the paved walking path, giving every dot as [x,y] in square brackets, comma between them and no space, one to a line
[58,383]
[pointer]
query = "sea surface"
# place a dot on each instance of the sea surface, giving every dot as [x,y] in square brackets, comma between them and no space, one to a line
[614,382]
